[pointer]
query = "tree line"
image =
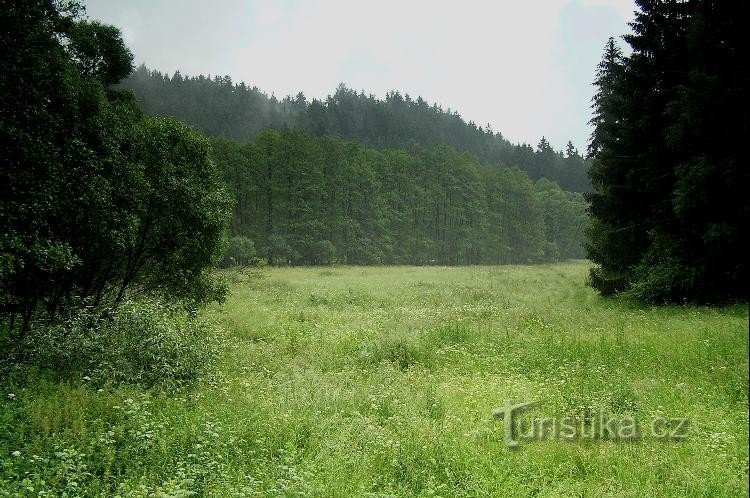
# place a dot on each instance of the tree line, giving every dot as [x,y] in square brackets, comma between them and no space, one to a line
[219,107]
[670,208]
[302,199]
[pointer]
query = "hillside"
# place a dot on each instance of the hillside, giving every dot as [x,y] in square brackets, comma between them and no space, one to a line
[219,107]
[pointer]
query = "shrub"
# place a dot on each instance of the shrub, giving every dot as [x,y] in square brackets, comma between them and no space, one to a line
[146,344]
[660,279]
[240,252]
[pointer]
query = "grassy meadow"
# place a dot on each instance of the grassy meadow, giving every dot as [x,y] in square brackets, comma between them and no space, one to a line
[382,381]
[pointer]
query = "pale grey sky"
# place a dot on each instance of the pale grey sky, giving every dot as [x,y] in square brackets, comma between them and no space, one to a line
[524,67]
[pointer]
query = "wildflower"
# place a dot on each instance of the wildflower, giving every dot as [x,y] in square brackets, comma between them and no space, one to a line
[16,454]
[11,396]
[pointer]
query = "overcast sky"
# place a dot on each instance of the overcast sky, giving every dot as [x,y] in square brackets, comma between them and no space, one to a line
[524,67]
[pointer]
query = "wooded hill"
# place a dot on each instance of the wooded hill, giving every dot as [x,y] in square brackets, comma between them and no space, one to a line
[219,107]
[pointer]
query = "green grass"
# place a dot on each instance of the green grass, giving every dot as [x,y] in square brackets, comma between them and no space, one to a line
[381,381]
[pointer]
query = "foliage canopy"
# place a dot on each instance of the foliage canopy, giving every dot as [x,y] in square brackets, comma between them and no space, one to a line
[99,201]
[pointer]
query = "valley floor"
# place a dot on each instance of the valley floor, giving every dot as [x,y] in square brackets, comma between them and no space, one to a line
[382,381]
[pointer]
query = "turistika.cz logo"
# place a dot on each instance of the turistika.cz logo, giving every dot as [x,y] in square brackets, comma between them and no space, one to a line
[590,426]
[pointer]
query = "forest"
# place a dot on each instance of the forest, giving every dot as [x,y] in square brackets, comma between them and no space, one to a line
[358,180]
[218,107]
[320,200]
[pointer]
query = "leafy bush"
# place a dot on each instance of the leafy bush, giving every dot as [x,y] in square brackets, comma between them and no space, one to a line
[99,201]
[146,344]
[240,252]
[663,276]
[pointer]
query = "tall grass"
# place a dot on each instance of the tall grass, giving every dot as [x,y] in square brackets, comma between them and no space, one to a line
[382,381]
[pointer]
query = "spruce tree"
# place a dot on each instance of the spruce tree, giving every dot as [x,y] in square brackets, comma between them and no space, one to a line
[669,207]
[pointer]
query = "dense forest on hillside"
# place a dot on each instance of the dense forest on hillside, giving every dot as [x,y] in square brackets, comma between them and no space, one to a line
[316,200]
[671,209]
[219,107]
